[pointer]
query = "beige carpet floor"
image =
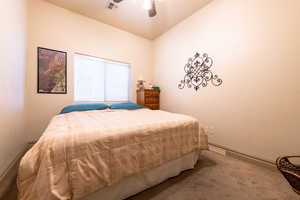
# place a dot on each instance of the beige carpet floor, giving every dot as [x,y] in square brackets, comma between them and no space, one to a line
[217,178]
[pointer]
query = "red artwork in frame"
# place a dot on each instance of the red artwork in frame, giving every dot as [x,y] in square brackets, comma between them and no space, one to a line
[52,71]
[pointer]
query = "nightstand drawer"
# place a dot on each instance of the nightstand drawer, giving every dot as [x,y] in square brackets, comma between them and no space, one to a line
[152,106]
[151,93]
[149,98]
[152,100]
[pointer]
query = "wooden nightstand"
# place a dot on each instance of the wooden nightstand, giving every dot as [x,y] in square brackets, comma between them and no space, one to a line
[148,98]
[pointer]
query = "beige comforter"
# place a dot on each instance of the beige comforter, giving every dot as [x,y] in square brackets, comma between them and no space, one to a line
[82,152]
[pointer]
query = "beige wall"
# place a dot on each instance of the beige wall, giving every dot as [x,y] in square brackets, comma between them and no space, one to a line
[256,50]
[57,28]
[12,80]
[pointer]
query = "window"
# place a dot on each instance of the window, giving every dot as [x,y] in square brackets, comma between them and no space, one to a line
[100,80]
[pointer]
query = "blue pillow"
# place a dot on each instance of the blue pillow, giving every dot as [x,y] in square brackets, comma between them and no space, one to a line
[83,107]
[126,106]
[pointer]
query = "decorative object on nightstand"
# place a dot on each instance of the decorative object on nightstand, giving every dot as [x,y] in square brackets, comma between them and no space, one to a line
[140,85]
[156,88]
[290,171]
[148,98]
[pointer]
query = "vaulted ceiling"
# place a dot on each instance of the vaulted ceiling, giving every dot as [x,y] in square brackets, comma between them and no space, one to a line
[130,15]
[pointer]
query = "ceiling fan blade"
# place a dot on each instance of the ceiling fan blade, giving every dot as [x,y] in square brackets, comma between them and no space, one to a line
[117,1]
[152,12]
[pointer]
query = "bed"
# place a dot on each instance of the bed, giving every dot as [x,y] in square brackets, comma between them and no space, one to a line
[108,154]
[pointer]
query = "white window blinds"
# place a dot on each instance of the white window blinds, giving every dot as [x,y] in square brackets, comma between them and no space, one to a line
[100,80]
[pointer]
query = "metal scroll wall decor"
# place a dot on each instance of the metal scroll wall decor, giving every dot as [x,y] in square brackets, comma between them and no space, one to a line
[198,73]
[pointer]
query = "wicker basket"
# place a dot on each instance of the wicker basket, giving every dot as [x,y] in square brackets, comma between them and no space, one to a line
[290,171]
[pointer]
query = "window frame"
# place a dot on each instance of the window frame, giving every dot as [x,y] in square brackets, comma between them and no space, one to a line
[105,60]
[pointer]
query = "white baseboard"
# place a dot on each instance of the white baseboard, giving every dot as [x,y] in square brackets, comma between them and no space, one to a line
[217,150]
[235,154]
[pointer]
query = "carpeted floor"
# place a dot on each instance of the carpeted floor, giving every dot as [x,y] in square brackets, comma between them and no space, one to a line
[217,178]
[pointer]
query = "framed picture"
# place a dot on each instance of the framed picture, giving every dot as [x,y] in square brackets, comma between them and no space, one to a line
[52,71]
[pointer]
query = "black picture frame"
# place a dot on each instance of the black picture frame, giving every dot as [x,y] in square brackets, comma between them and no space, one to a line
[51,75]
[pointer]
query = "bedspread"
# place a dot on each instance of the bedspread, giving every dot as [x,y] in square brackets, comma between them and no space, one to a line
[82,152]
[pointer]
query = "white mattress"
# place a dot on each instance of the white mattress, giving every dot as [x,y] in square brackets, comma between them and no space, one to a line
[137,183]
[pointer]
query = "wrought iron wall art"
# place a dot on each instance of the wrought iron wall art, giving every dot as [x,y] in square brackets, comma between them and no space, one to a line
[198,73]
